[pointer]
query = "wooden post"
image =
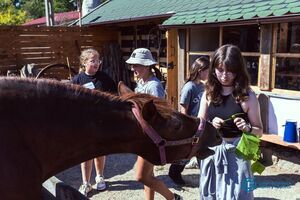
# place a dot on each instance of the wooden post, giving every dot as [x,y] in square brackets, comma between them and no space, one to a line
[273,58]
[187,50]
[181,60]
[221,32]
[265,60]
[283,36]
[172,80]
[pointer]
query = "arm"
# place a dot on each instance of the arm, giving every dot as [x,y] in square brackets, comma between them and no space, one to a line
[202,113]
[251,107]
[184,108]
[185,98]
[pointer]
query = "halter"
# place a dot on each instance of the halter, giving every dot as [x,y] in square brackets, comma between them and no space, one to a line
[160,142]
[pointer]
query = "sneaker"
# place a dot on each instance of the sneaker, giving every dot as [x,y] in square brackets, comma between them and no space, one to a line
[100,183]
[192,164]
[85,188]
[177,197]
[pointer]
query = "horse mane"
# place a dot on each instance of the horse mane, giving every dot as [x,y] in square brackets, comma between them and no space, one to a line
[162,106]
[38,87]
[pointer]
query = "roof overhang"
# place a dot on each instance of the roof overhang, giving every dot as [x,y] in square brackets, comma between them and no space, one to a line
[239,22]
[135,19]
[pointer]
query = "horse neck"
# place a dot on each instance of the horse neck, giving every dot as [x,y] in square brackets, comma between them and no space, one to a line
[91,130]
[63,127]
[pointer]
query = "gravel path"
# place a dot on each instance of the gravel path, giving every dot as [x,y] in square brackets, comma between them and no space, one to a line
[275,183]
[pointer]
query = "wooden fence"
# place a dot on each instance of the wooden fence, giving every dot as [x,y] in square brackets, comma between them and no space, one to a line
[46,45]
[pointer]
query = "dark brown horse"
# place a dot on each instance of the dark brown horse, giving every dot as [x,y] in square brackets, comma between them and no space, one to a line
[47,126]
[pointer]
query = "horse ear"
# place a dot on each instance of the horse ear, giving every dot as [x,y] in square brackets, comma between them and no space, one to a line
[123,89]
[149,110]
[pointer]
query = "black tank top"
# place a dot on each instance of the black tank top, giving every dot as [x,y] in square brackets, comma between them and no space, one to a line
[224,111]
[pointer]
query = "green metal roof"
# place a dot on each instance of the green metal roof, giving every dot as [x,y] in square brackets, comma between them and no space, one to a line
[181,12]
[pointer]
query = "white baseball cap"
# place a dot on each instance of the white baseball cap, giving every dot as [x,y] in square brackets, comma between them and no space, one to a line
[141,56]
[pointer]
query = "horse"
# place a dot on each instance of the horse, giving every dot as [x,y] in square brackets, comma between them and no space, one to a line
[47,126]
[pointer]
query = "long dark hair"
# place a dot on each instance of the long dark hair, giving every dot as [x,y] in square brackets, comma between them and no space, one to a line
[231,57]
[158,74]
[200,64]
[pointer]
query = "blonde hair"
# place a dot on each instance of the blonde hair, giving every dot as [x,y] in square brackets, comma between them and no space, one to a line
[86,54]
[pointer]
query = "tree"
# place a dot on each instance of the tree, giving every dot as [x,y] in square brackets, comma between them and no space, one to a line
[36,8]
[10,14]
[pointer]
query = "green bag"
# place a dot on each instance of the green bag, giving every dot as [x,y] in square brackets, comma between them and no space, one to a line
[248,148]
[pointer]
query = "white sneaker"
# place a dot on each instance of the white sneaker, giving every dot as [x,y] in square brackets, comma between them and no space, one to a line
[100,183]
[85,188]
[192,164]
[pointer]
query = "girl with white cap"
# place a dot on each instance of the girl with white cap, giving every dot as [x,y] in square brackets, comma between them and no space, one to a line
[142,63]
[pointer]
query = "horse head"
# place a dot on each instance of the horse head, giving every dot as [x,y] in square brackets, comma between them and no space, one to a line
[178,136]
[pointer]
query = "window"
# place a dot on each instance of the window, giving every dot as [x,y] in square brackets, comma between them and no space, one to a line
[201,41]
[287,70]
[252,67]
[204,39]
[247,39]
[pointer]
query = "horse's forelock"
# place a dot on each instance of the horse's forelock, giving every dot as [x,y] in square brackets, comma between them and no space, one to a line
[140,99]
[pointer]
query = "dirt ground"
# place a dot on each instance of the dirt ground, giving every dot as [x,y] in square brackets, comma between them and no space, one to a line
[279,181]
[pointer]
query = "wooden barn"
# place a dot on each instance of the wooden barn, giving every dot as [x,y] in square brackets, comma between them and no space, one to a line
[177,32]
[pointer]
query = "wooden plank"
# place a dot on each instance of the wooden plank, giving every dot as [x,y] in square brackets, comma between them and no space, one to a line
[288,55]
[274,49]
[250,54]
[265,61]
[264,72]
[283,36]
[275,139]
[181,60]
[46,45]
[286,92]
[187,49]
[221,33]
[172,80]
[200,53]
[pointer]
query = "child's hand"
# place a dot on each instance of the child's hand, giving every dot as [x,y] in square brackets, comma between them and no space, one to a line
[217,122]
[241,124]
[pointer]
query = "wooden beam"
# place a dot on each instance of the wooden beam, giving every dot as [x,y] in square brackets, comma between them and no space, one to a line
[221,32]
[265,60]
[172,80]
[181,60]
[283,36]
[200,53]
[288,55]
[275,139]
[187,49]
[274,51]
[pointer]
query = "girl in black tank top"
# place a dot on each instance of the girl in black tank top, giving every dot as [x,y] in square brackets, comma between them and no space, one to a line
[227,93]
[225,110]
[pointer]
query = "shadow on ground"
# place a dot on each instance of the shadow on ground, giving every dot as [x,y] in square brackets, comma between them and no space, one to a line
[277,181]
[120,163]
